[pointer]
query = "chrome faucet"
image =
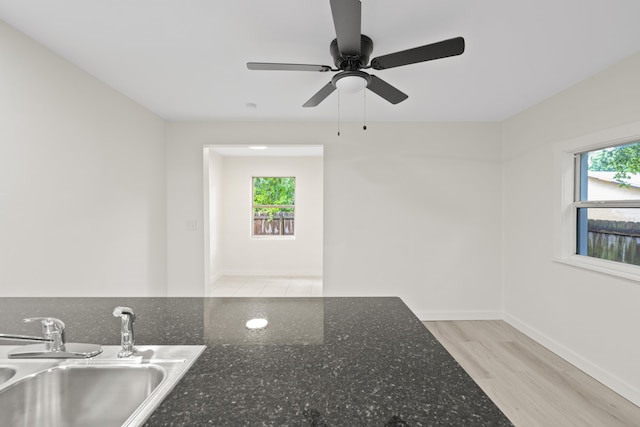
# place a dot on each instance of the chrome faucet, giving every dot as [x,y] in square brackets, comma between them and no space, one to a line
[54,342]
[126,331]
[52,330]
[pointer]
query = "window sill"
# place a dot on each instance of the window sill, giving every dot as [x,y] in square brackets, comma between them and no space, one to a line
[626,271]
[273,237]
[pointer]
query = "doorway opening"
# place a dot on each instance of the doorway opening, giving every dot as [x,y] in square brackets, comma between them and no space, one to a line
[242,263]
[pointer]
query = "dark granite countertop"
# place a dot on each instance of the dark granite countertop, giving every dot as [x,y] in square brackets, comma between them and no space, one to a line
[319,362]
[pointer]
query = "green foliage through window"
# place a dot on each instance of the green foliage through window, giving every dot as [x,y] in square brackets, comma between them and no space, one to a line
[623,160]
[273,191]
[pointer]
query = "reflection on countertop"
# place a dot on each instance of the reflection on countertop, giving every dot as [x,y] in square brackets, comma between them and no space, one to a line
[290,322]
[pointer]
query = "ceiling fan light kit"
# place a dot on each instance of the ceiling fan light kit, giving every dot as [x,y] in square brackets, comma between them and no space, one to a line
[351,51]
[351,81]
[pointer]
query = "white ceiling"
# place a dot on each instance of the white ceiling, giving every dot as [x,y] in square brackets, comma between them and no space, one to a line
[186,59]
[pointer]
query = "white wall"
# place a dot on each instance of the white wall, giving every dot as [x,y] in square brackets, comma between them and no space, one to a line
[243,255]
[589,318]
[82,181]
[214,233]
[437,185]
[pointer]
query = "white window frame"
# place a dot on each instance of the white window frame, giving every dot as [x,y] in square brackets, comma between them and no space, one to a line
[565,206]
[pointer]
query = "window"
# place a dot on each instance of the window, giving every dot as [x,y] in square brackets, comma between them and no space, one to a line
[273,207]
[597,220]
[607,203]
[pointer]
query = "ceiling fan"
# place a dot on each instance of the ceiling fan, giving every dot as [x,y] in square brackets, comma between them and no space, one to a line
[350,51]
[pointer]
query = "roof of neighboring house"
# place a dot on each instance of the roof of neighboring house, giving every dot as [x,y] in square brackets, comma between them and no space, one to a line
[634,181]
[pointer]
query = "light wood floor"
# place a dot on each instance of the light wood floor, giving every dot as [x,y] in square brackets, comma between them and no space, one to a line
[530,384]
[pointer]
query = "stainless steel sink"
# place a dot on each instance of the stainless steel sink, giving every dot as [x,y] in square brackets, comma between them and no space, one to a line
[102,391]
[6,374]
[108,395]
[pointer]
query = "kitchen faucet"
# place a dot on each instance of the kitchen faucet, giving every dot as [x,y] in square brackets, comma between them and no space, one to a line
[126,331]
[54,345]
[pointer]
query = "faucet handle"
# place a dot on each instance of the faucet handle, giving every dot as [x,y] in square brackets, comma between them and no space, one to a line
[49,324]
[52,329]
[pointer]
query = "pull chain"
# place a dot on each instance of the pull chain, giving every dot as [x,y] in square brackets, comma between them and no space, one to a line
[364,109]
[338,113]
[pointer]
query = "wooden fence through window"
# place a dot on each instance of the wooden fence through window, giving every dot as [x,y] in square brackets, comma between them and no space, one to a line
[614,241]
[276,226]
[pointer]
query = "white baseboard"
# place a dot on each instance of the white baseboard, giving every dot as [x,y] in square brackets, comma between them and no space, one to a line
[458,315]
[616,384]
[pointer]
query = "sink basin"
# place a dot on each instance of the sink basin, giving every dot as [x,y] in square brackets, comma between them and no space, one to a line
[108,395]
[102,391]
[6,374]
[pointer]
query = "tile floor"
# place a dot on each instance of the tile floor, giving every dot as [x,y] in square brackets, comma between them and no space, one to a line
[267,286]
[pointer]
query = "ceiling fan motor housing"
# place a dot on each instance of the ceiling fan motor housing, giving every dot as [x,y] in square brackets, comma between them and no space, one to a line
[352,62]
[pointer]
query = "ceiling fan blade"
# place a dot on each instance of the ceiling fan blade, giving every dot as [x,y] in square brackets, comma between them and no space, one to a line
[347,18]
[443,49]
[385,90]
[286,67]
[320,95]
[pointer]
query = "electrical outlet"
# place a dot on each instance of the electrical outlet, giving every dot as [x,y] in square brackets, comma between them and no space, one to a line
[191,225]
